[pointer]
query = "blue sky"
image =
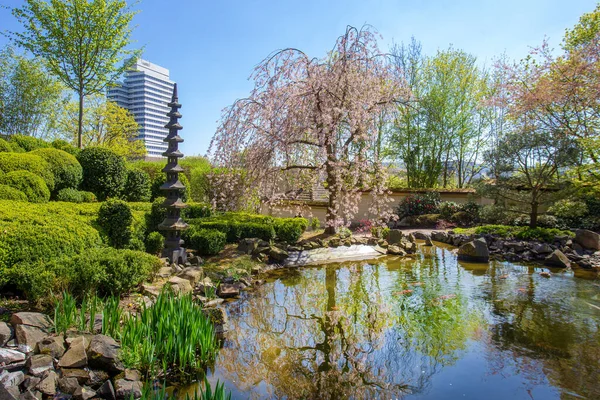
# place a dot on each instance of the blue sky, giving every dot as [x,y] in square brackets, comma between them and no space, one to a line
[211,47]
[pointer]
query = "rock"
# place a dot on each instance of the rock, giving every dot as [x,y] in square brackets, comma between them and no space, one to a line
[278,255]
[192,274]
[11,393]
[81,375]
[545,274]
[151,290]
[83,393]
[213,303]
[52,345]
[247,246]
[439,236]
[577,248]
[411,238]
[6,333]
[395,250]
[104,353]
[132,375]
[180,286]
[40,363]
[474,251]
[76,356]
[8,356]
[8,379]
[588,239]
[165,272]
[48,385]
[38,320]
[28,336]
[68,384]
[96,378]
[394,236]
[428,241]
[420,235]
[557,259]
[106,391]
[125,389]
[31,382]
[30,395]
[542,248]
[409,247]
[228,290]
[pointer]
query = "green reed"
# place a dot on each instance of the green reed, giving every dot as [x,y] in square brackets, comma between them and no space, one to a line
[149,392]
[67,315]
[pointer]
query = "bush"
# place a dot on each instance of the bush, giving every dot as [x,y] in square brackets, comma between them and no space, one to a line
[462,218]
[137,186]
[5,146]
[28,143]
[116,218]
[30,184]
[522,233]
[10,193]
[569,213]
[290,229]
[160,179]
[87,197]
[198,210]
[315,223]
[154,243]
[27,162]
[104,172]
[69,195]
[419,204]
[65,168]
[65,146]
[495,215]
[207,242]
[380,231]
[448,208]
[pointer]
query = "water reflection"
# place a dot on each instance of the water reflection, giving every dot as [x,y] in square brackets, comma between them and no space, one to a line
[422,328]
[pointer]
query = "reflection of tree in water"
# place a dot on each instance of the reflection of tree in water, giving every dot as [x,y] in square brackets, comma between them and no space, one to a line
[338,333]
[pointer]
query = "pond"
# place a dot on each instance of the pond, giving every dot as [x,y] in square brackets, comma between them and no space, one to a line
[427,328]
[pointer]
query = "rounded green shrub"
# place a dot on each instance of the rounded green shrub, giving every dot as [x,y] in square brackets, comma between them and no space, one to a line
[66,169]
[161,179]
[10,193]
[208,242]
[115,218]
[104,172]
[27,162]
[290,229]
[30,184]
[69,195]
[5,146]
[28,143]
[137,186]
[87,197]
[448,208]
[198,210]
[65,146]
[154,243]
[157,214]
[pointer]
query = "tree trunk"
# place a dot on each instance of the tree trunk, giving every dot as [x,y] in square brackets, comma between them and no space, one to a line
[333,195]
[533,216]
[80,122]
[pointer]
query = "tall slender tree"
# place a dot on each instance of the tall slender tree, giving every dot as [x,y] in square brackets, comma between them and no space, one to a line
[83,42]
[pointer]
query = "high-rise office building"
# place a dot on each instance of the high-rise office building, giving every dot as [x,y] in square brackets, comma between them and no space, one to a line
[145,91]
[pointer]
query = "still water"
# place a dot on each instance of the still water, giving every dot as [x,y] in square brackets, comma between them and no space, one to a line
[428,328]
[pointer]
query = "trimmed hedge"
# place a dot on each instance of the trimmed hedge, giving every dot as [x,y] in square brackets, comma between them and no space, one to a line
[154,243]
[69,195]
[29,183]
[5,146]
[137,186]
[27,162]
[10,193]
[518,232]
[104,172]
[65,146]
[27,143]
[65,168]
[116,218]
[158,213]
[208,242]
[290,229]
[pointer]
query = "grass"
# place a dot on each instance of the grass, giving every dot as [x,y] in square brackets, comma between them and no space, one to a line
[516,232]
[67,315]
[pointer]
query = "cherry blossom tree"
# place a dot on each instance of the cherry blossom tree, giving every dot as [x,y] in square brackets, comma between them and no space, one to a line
[312,122]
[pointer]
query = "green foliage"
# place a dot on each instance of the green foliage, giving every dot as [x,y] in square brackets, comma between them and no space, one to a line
[419,204]
[160,179]
[28,143]
[154,243]
[207,242]
[197,210]
[87,197]
[10,193]
[495,215]
[448,208]
[173,334]
[69,195]
[570,213]
[5,146]
[380,231]
[27,162]
[137,186]
[157,214]
[104,172]
[65,146]
[65,168]
[522,232]
[67,316]
[197,169]
[30,184]
[116,218]
[290,229]
[315,223]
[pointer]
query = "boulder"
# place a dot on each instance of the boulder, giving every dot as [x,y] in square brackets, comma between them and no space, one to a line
[394,236]
[192,274]
[10,393]
[474,251]
[6,333]
[97,378]
[38,320]
[68,384]
[228,290]
[165,272]
[39,364]
[106,391]
[542,248]
[420,235]
[8,356]
[83,393]
[81,375]
[125,389]
[8,379]
[30,395]
[428,241]
[395,250]
[439,236]
[411,237]
[180,285]
[408,246]
[28,337]
[278,255]
[76,356]
[588,239]
[557,259]
[48,384]
[248,245]
[104,353]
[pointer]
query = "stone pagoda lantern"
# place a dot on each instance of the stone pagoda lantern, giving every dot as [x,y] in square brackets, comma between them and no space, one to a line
[173,225]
